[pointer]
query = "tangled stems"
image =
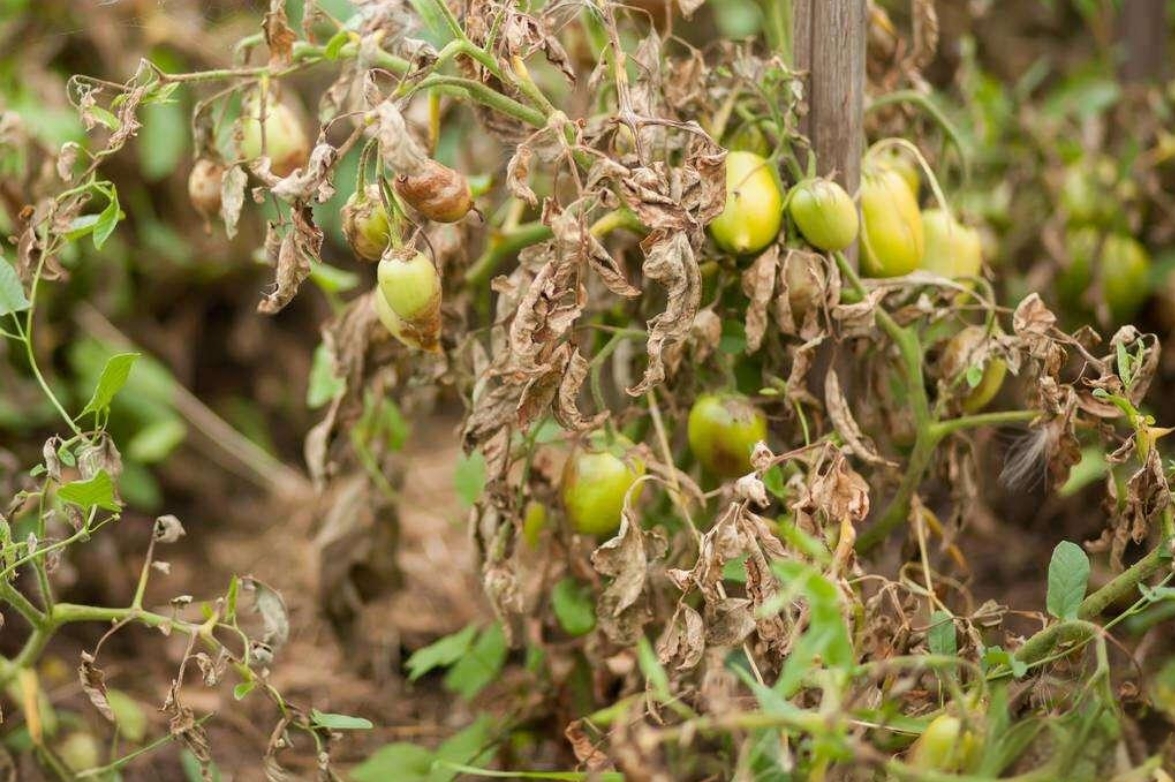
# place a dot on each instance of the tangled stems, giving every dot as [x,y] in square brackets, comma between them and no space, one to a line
[929,430]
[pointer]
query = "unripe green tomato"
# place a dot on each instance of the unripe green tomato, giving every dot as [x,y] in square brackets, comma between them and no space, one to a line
[749,138]
[1086,195]
[1124,271]
[951,248]
[80,751]
[754,205]
[943,746]
[366,224]
[723,430]
[892,240]
[824,213]
[533,521]
[595,481]
[955,361]
[906,168]
[410,285]
[401,330]
[286,142]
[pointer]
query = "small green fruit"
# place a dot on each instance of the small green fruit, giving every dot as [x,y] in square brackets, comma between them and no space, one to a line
[824,213]
[892,236]
[723,430]
[286,142]
[1124,271]
[596,480]
[410,284]
[943,746]
[951,248]
[754,205]
[366,224]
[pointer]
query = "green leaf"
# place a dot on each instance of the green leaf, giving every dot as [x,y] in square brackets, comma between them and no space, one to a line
[652,669]
[1068,579]
[774,483]
[574,607]
[339,721]
[129,714]
[163,139]
[332,279]
[113,378]
[242,690]
[107,221]
[434,21]
[995,655]
[940,636]
[441,653]
[826,640]
[1092,467]
[400,761]
[323,384]
[974,375]
[98,492]
[470,477]
[194,769]
[473,745]
[12,298]
[481,665]
[156,441]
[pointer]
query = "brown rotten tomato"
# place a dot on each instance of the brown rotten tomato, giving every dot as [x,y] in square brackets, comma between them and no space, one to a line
[596,479]
[436,191]
[204,186]
[723,429]
[367,224]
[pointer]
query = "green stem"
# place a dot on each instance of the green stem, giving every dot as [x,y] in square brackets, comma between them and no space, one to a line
[944,428]
[1125,583]
[927,105]
[484,95]
[1041,645]
[22,604]
[502,247]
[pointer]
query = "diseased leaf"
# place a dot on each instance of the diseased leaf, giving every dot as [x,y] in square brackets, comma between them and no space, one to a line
[93,681]
[1068,579]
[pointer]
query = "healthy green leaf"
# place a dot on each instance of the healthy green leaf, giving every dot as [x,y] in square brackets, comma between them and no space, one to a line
[12,298]
[400,761]
[1068,579]
[481,665]
[441,653]
[98,492]
[107,221]
[339,721]
[470,477]
[156,441]
[323,384]
[940,637]
[129,714]
[113,378]
[574,607]
[242,690]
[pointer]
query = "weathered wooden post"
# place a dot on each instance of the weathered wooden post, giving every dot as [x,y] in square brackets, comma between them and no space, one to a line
[829,44]
[1143,33]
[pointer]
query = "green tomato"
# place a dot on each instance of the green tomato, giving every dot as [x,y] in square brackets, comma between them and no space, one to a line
[1124,271]
[286,142]
[411,285]
[956,360]
[951,248]
[901,164]
[596,480]
[367,224]
[80,751]
[892,236]
[723,430]
[1087,194]
[943,746]
[824,213]
[754,205]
